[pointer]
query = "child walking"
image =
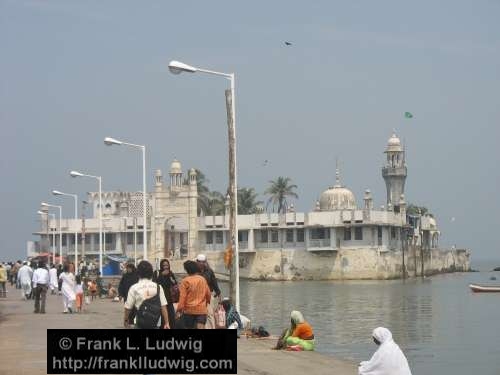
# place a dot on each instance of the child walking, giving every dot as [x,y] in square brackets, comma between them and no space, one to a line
[79,293]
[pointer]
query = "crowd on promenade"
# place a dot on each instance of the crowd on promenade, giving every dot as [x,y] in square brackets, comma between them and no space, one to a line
[156,299]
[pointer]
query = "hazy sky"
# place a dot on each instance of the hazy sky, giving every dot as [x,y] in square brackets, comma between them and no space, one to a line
[73,72]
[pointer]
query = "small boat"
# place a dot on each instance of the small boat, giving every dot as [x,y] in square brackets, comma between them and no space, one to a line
[476,288]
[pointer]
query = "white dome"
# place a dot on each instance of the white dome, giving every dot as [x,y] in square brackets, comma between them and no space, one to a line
[337,198]
[394,143]
[175,167]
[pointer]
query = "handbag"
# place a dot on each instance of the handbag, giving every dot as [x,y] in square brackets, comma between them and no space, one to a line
[220,317]
[174,293]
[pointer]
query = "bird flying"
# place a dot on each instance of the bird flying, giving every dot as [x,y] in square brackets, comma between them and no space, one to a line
[288,43]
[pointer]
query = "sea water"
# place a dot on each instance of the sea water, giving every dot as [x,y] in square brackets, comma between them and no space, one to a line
[442,327]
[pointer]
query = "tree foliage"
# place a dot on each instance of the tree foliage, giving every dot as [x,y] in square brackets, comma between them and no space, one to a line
[415,210]
[247,201]
[279,191]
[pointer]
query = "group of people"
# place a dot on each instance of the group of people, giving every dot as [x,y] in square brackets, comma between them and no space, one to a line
[60,281]
[193,303]
[34,278]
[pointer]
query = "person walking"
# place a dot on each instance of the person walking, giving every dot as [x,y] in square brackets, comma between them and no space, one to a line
[166,278]
[68,289]
[25,275]
[194,297]
[41,284]
[59,281]
[128,279]
[388,359]
[209,276]
[13,273]
[54,283]
[144,289]
[79,293]
[3,280]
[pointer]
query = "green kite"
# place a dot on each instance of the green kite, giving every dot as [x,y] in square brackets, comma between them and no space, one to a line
[408,115]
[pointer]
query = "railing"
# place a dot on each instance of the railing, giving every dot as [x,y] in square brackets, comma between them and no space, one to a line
[215,247]
[267,245]
[320,243]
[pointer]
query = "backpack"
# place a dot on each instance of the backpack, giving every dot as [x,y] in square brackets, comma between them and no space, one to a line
[149,311]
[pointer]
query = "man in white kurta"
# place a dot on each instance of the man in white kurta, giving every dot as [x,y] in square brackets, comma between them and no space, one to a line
[54,285]
[25,275]
[68,290]
[388,359]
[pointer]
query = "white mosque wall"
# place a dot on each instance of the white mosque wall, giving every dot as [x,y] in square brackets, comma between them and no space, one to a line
[345,264]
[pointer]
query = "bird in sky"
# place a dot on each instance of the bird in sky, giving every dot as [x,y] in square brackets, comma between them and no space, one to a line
[288,43]
[265,163]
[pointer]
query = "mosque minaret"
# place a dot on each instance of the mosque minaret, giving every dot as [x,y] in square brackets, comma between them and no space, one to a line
[394,172]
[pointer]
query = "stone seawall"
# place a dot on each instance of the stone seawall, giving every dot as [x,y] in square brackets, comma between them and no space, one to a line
[344,264]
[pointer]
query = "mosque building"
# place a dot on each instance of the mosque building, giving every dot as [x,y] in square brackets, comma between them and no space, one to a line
[339,239]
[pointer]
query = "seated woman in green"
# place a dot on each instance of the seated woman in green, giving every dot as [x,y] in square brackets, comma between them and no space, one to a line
[299,336]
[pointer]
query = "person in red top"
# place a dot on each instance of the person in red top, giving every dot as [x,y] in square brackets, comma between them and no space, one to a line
[194,297]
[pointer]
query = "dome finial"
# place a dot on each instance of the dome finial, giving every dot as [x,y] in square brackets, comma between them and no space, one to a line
[337,173]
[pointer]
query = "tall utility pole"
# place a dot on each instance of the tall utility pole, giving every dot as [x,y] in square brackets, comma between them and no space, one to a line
[177,67]
[83,230]
[233,206]
[421,234]
[404,241]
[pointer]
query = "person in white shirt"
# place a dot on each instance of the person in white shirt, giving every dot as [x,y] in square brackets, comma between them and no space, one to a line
[54,284]
[40,283]
[145,288]
[388,359]
[25,274]
[68,289]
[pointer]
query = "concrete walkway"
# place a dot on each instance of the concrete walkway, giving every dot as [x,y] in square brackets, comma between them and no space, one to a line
[23,340]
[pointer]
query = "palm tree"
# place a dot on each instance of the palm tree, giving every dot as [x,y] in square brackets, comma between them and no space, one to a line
[247,203]
[416,210]
[279,190]
[214,203]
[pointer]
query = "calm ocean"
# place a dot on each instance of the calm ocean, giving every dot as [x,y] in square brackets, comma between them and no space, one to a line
[442,327]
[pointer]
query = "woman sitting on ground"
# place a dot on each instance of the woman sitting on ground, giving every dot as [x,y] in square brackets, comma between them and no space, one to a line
[388,359]
[299,336]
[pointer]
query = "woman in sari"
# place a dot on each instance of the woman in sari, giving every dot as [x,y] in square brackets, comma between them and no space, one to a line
[299,336]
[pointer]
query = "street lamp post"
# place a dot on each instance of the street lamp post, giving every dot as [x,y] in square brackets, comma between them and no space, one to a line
[75,197]
[99,179]
[53,234]
[84,203]
[60,233]
[177,67]
[111,141]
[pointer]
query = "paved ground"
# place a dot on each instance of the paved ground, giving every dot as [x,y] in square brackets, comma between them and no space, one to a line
[23,340]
